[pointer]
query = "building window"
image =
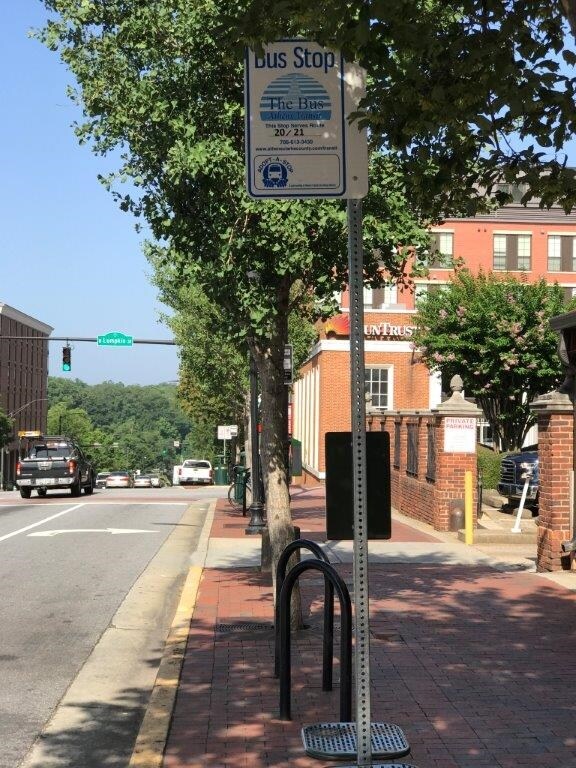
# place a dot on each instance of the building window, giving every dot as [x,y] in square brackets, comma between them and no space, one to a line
[441,251]
[512,252]
[516,191]
[423,289]
[379,298]
[561,253]
[377,386]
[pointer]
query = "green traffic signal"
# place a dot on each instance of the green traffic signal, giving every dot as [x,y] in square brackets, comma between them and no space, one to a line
[67,358]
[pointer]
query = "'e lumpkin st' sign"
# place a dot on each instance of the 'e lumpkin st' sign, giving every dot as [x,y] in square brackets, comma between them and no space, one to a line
[298,141]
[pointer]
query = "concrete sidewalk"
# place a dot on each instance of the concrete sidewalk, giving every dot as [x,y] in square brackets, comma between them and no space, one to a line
[473,654]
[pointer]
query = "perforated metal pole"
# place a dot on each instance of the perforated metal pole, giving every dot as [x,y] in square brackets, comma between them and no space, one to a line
[358,413]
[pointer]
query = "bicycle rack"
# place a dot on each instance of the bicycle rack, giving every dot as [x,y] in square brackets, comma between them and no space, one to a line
[334,741]
[328,634]
[339,585]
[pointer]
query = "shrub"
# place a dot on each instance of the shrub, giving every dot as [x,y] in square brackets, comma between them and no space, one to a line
[489,466]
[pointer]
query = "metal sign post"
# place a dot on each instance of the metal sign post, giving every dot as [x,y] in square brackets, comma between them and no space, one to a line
[358,413]
[299,144]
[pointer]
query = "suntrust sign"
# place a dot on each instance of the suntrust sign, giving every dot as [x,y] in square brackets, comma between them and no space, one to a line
[389,330]
[340,326]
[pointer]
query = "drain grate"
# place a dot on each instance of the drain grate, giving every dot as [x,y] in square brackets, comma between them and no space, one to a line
[338,740]
[244,626]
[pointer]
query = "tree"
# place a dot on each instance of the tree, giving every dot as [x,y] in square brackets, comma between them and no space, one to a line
[156,81]
[213,376]
[72,422]
[469,93]
[494,332]
[6,427]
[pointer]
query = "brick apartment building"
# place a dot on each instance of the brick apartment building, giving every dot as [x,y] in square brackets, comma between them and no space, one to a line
[525,242]
[23,378]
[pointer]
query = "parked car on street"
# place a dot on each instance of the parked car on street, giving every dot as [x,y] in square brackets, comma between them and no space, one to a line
[515,470]
[101,479]
[143,481]
[159,480]
[120,479]
[195,471]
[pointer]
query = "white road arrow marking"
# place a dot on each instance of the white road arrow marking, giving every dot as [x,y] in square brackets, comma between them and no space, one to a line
[113,531]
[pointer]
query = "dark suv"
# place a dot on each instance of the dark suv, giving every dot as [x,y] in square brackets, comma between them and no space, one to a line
[515,469]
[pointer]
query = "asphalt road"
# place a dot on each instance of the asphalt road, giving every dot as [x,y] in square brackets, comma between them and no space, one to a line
[88,589]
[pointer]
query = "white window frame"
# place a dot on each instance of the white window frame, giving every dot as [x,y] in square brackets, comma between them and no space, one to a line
[388,395]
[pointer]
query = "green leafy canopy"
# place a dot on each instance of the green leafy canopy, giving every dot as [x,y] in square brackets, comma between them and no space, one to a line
[468,93]
[494,332]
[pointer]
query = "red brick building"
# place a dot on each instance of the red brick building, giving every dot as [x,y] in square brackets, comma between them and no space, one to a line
[525,242]
[23,377]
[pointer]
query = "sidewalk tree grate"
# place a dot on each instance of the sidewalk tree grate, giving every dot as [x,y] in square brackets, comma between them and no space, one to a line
[245,626]
[338,740]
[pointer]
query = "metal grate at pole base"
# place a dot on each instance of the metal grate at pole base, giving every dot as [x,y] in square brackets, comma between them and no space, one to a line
[378,765]
[337,741]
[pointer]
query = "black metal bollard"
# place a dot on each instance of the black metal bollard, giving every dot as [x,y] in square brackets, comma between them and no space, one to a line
[345,637]
[328,633]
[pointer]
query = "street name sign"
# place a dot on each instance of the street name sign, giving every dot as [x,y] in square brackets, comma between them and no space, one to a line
[115,339]
[299,143]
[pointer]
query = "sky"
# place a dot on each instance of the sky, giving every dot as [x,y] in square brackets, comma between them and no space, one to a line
[68,256]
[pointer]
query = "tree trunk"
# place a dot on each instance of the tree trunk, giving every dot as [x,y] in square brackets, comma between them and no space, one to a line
[269,357]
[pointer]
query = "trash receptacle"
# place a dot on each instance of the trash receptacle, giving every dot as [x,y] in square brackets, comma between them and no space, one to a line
[220,476]
[241,476]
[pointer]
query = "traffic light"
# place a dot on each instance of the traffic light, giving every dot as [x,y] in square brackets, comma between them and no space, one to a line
[67,358]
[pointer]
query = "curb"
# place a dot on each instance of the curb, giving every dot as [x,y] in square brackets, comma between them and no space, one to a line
[150,743]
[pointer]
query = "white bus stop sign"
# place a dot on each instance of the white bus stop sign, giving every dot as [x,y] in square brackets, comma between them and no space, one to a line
[298,140]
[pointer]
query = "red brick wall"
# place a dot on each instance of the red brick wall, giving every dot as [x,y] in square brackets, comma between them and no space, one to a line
[419,497]
[555,465]
[411,387]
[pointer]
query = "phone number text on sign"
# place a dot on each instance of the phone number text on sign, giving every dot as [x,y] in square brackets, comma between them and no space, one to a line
[295,121]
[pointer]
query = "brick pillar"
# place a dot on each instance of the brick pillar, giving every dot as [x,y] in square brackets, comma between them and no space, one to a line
[555,416]
[454,458]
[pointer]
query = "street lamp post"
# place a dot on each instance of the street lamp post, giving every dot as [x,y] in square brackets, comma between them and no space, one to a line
[256,524]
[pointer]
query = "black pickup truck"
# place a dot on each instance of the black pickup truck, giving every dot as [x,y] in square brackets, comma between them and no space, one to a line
[515,470]
[54,463]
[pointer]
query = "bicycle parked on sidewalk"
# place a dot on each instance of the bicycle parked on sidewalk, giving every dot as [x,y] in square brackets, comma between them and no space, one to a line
[240,489]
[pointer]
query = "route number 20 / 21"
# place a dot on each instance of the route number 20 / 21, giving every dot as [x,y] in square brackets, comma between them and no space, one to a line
[283,132]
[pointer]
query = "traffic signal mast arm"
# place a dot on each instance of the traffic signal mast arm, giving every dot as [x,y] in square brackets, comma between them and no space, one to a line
[86,338]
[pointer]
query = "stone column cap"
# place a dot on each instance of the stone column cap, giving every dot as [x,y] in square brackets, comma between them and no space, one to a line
[457,403]
[553,401]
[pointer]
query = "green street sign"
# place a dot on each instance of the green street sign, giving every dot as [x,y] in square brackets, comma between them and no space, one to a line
[115,339]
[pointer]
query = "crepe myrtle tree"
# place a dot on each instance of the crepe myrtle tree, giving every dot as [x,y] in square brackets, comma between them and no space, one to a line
[161,91]
[493,330]
[470,93]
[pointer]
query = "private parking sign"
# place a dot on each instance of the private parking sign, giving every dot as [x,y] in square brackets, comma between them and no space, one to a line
[298,141]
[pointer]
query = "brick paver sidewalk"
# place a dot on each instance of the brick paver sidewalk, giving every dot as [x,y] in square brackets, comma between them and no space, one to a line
[477,666]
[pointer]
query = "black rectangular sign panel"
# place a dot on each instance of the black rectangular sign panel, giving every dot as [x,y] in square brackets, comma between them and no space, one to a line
[339,486]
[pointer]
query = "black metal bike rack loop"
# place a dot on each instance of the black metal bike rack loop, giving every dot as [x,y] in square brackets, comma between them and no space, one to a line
[328,629]
[345,636]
